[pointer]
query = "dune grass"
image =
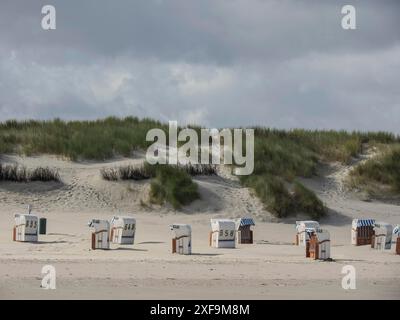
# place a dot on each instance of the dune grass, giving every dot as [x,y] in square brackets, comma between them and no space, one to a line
[173,185]
[170,183]
[147,171]
[283,199]
[16,173]
[128,172]
[105,138]
[307,202]
[98,140]
[272,191]
[383,170]
[280,156]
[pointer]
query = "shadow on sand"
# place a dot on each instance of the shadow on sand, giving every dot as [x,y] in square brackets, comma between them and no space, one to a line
[50,242]
[349,260]
[332,218]
[129,249]
[207,254]
[151,242]
[32,187]
[335,218]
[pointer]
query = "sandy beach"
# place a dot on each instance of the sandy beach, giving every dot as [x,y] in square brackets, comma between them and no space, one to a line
[271,268]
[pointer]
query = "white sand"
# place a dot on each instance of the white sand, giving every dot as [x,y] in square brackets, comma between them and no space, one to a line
[272,268]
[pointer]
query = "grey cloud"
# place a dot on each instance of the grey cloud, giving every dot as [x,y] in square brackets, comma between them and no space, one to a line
[219,63]
[200,31]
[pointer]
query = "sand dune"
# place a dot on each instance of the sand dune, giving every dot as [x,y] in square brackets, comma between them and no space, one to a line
[271,268]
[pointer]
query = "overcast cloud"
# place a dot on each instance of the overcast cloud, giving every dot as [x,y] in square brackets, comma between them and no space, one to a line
[217,63]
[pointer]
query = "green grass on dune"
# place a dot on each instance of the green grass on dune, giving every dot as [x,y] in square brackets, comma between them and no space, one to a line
[98,140]
[381,170]
[306,201]
[326,145]
[17,173]
[280,156]
[173,185]
[104,138]
[147,171]
[272,192]
[170,183]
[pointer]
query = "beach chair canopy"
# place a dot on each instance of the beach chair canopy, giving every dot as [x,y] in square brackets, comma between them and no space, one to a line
[97,224]
[93,222]
[363,222]
[242,222]
[122,220]
[25,217]
[226,224]
[184,228]
[307,224]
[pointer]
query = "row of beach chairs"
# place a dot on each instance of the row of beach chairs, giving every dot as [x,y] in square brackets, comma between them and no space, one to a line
[225,233]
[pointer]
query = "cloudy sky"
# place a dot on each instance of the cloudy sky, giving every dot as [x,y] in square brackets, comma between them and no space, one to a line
[219,63]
